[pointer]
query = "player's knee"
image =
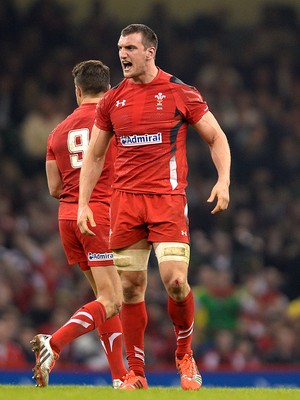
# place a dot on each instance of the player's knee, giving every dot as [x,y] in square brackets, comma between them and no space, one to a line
[111,300]
[177,287]
[173,259]
[117,307]
[112,307]
[133,286]
[130,294]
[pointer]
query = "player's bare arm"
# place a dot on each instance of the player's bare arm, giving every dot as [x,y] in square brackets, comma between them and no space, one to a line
[209,129]
[54,179]
[91,169]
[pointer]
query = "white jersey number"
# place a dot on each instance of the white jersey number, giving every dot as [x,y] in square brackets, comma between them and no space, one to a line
[78,141]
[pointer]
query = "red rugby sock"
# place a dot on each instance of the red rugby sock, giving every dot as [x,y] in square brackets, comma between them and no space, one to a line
[182,316]
[111,338]
[134,320]
[86,319]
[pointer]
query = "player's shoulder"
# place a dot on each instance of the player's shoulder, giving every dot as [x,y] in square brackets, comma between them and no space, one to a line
[177,81]
[68,121]
[58,127]
[180,84]
[109,97]
[115,89]
[174,81]
[118,85]
[183,90]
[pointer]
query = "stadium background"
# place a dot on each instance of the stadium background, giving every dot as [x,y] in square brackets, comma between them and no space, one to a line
[244,58]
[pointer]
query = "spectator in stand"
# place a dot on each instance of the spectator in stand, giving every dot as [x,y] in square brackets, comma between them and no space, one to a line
[11,355]
[220,303]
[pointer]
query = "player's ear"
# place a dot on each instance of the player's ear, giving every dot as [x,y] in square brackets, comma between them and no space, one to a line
[78,90]
[150,53]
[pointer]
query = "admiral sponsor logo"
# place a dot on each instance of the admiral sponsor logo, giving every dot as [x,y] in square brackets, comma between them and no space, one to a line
[100,256]
[136,140]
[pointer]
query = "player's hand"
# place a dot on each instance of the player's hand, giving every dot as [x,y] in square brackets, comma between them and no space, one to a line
[221,192]
[85,216]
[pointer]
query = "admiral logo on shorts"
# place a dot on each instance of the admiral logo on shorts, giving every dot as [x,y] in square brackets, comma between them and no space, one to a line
[137,140]
[100,256]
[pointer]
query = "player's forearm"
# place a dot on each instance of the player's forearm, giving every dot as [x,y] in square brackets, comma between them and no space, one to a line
[55,188]
[55,192]
[90,172]
[54,179]
[220,154]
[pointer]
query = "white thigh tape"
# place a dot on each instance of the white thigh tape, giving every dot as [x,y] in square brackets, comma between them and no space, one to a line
[131,259]
[173,251]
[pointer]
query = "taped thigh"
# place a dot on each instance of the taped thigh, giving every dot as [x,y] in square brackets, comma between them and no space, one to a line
[173,251]
[131,259]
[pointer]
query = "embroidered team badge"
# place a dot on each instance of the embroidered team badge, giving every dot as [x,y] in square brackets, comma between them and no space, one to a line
[159,100]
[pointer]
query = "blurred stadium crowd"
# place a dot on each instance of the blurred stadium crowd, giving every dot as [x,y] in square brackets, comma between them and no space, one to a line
[245,265]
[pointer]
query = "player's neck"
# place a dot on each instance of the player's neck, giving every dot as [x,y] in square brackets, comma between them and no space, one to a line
[88,100]
[147,77]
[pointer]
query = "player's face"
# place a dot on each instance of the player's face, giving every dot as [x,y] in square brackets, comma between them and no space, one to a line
[133,56]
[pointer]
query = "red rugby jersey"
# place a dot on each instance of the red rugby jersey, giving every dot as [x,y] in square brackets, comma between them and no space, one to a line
[150,122]
[67,144]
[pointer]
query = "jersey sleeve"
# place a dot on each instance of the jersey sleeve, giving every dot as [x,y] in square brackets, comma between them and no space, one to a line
[194,104]
[102,118]
[49,153]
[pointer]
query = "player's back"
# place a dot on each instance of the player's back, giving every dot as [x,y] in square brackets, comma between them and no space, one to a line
[67,145]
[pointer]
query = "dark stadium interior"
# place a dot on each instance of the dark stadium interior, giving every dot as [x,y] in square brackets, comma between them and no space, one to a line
[245,262]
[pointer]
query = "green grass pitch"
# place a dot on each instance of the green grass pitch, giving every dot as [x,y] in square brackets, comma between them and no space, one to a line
[59,392]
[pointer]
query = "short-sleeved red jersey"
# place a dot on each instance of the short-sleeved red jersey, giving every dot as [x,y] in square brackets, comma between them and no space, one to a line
[150,122]
[66,145]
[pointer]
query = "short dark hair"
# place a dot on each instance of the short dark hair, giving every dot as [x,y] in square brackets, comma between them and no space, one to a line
[92,76]
[149,36]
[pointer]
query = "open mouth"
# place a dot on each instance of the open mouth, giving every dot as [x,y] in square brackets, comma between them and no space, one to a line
[127,65]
